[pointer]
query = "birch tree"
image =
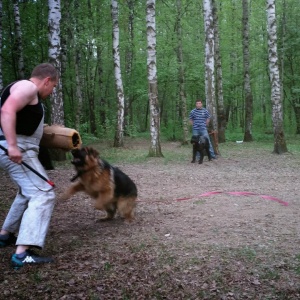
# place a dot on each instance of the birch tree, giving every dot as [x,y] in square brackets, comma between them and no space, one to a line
[181,76]
[18,40]
[277,113]
[54,17]
[247,86]
[129,56]
[119,135]
[219,78]
[155,147]
[210,64]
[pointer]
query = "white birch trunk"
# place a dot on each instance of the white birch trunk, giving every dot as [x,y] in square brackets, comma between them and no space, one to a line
[155,148]
[19,50]
[210,63]
[57,109]
[119,136]
[181,75]
[277,113]
[221,114]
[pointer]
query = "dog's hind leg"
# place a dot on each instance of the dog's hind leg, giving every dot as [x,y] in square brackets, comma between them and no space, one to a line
[110,213]
[126,207]
[106,203]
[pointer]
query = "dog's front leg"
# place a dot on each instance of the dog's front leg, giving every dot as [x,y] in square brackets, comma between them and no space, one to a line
[106,203]
[194,153]
[73,189]
[201,154]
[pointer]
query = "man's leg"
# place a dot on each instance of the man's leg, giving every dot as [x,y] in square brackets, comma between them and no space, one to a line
[211,149]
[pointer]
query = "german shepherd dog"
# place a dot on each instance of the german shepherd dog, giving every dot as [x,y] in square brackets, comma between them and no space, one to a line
[200,144]
[111,189]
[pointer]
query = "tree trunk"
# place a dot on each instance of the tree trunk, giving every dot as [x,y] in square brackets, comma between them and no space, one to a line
[155,147]
[219,80]
[91,75]
[277,114]
[119,135]
[181,76]
[128,115]
[57,116]
[247,87]
[297,117]
[79,97]
[18,41]
[57,105]
[210,66]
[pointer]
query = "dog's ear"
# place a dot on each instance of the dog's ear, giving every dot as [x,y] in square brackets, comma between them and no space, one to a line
[95,153]
[194,139]
[92,151]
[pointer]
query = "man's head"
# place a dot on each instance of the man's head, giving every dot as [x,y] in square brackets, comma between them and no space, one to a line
[47,75]
[199,104]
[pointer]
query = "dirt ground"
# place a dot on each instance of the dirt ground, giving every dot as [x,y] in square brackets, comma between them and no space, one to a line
[185,243]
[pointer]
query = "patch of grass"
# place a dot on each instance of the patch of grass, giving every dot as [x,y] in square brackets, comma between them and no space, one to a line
[76,242]
[36,277]
[138,248]
[194,261]
[297,262]
[247,253]
[270,274]
[138,154]
[107,266]
[199,202]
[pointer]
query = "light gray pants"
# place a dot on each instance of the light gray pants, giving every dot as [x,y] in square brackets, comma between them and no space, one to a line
[31,210]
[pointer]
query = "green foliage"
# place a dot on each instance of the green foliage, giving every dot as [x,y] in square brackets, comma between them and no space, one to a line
[86,28]
[172,131]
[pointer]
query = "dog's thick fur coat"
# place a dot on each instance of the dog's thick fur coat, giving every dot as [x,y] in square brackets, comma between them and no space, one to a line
[200,144]
[111,189]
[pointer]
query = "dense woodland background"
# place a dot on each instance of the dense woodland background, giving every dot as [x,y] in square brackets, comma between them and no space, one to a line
[87,65]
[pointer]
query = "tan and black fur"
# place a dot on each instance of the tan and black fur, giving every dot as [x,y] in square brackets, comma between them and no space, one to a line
[111,189]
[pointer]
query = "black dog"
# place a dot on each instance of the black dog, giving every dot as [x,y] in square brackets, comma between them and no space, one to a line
[200,144]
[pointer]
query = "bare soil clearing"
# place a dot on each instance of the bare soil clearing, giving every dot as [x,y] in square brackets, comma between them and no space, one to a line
[218,246]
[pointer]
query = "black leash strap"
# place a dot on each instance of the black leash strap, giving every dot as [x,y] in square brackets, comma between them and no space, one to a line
[31,169]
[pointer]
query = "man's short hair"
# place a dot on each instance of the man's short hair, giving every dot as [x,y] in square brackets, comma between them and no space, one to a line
[45,70]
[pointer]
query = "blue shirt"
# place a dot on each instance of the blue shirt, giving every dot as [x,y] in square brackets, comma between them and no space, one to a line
[199,117]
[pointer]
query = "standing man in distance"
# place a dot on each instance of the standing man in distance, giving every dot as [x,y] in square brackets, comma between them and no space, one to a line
[22,121]
[199,119]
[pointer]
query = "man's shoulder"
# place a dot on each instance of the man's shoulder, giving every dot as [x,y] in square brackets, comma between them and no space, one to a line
[24,91]
[22,86]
